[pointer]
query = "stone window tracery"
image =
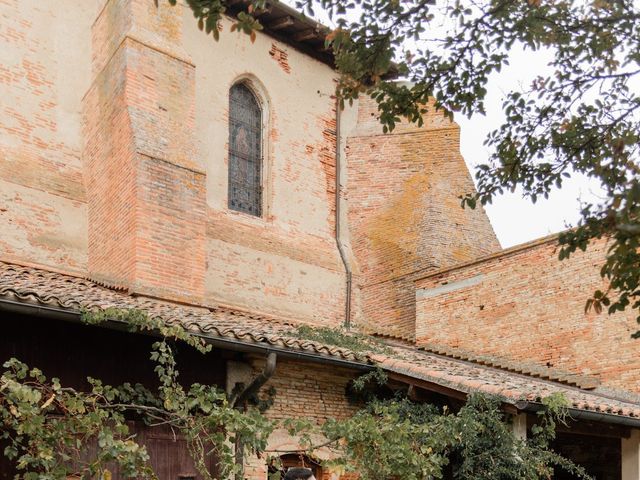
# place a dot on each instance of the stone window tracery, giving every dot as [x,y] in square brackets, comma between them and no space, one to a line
[245,151]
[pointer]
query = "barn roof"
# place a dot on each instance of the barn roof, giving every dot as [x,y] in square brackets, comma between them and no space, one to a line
[48,291]
[290,26]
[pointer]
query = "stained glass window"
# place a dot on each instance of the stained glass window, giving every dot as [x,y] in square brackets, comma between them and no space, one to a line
[245,151]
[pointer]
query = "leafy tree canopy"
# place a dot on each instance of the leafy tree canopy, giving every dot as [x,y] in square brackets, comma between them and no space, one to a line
[581,118]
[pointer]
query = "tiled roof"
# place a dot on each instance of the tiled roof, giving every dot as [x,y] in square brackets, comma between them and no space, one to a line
[526,368]
[513,388]
[44,288]
[39,287]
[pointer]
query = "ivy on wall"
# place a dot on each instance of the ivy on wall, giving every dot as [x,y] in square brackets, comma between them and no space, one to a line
[47,426]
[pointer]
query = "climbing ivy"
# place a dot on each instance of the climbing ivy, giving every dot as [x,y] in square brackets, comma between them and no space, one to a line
[339,337]
[415,441]
[48,426]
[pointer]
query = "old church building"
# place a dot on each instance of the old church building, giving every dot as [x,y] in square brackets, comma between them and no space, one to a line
[217,185]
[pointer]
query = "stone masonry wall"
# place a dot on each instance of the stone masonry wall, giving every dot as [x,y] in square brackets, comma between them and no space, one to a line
[405,215]
[525,304]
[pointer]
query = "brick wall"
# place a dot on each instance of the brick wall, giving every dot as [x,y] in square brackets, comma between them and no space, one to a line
[404,213]
[285,262]
[115,160]
[311,391]
[44,71]
[114,157]
[159,222]
[306,391]
[146,195]
[526,305]
[110,172]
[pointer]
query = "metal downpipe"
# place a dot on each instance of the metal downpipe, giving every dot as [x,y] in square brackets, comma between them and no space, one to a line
[338,200]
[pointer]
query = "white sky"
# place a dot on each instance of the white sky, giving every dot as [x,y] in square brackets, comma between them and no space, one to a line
[515,219]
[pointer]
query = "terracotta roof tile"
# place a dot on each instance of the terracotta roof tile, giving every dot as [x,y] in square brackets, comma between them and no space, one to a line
[466,376]
[531,369]
[35,286]
[40,287]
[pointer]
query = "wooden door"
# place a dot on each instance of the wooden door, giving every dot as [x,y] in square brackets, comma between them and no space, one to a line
[169,454]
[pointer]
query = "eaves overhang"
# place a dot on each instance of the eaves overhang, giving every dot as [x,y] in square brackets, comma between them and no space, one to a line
[42,293]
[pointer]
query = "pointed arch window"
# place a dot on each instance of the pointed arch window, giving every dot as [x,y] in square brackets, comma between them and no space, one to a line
[245,151]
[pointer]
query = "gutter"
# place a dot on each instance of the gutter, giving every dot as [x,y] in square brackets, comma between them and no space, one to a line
[587,415]
[55,313]
[239,346]
[343,255]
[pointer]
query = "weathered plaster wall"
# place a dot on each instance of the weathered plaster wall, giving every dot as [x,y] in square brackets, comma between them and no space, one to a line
[44,72]
[526,305]
[38,227]
[285,262]
[115,114]
[404,212]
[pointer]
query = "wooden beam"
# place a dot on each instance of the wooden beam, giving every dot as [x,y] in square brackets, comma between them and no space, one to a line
[303,35]
[263,11]
[519,426]
[631,457]
[432,387]
[591,428]
[281,23]
[446,391]
[421,395]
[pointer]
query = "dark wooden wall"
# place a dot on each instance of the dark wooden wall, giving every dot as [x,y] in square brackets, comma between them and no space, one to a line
[72,352]
[599,455]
